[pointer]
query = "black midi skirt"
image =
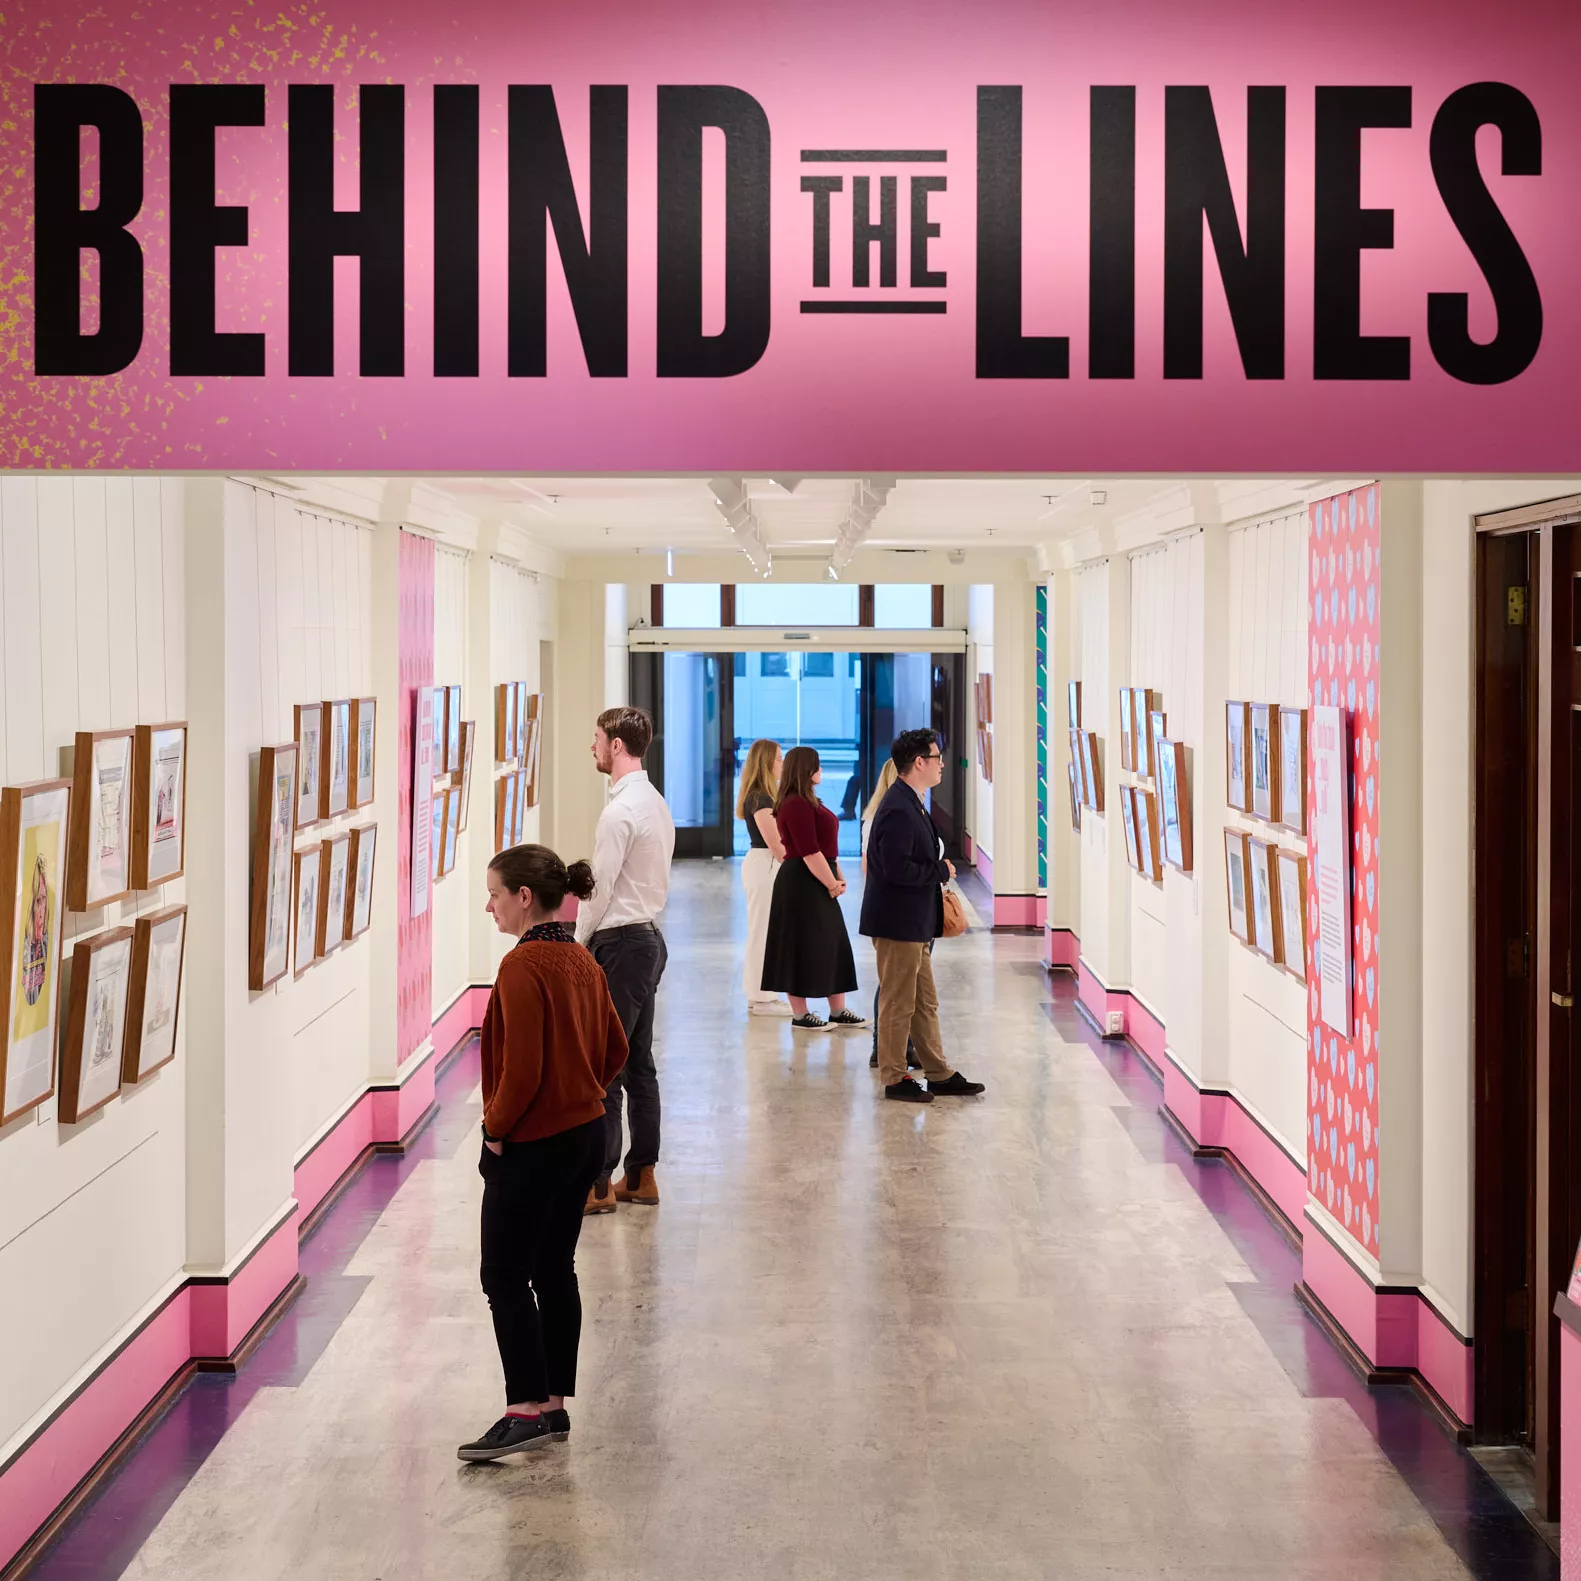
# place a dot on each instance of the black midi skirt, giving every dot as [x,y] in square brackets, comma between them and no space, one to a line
[808,952]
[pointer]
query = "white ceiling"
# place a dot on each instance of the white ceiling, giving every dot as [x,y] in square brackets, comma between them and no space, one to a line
[617,515]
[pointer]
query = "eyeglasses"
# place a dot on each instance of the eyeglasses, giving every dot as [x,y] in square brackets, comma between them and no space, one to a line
[934,757]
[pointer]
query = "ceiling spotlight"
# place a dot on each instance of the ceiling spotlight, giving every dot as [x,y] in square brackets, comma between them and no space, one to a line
[1097,496]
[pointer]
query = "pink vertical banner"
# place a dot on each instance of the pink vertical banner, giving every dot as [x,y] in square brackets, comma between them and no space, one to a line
[414,936]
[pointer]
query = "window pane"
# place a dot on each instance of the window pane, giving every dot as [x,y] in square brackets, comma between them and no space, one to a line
[817,666]
[691,604]
[774,664]
[795,604]
[902,604]
[741,664]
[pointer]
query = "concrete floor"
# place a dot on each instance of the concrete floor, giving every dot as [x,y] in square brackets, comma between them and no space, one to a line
[1011,1337]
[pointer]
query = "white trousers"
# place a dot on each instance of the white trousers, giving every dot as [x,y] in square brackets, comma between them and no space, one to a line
[758,868]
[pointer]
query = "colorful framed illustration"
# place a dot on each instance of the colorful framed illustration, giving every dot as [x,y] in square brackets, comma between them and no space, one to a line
[1127,731]
[1237,860]
[1292,804]
[1174,804]
[535,747]
[335,778]
[35,835]
[1076,763]
[1264,889]
[1143,701]
[505,812]
[1092,769]
[99,861]
[436,846]
[441,702]
[1073,704]
[1265,761]
[1075,795]
[90,1061]
[309,872]
[309,731]
[1128,818]
[365,740]
[1293,913]
[274,821]
[159,803]
[452,828]
[469,741]
[153,1000]
[335,866]
[525,706]
[359,899]
[504,722]
[1149,837]
[452,729]
[1237,756]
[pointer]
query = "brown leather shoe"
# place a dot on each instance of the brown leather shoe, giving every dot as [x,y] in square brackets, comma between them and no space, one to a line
[646,1189]
[599,1204]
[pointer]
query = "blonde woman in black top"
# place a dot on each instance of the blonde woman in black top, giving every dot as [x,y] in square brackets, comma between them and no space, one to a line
[760,780]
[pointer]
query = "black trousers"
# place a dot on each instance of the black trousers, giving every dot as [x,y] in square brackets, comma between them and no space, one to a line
[633,960]
[533,1196]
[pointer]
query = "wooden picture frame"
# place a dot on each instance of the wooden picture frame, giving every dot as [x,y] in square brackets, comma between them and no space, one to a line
[153,1001]
[504,811]
[99,860]
[437,868]
[1263,886]
[452,828]
[335,780]
[1174,804]
[469,741]
[270,908]
[1264,780]
[1157,734]
[1143,701]
[359,890]
[364,750]
[1073,779]
[452,729]
[441,703]
[307,729]
[1292,868]
[1237,883]
[309,871]
[986,681]
[535,747]
[35,844]
[1128,818]
[91,1056]
[1149,836]
[1092,769]
[504,722]
[1078,765]
[520,831]
[1073,704]
[1237,756]
[159,803]
[1291,812]
[526,708]
[1127,731]
[333,881]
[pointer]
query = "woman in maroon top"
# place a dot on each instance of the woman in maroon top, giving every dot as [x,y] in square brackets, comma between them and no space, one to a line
[808,952]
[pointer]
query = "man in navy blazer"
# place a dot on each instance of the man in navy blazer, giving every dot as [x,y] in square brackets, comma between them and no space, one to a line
[903,913]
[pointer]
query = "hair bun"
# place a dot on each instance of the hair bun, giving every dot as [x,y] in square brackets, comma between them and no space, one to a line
[579,880]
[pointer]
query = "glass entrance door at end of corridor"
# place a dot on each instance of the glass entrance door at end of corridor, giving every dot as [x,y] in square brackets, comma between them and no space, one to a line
[692,760]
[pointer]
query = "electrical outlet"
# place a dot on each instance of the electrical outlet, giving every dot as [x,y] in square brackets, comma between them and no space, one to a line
[1114,1024]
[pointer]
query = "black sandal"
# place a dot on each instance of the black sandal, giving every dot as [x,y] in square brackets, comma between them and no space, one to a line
[808,1022]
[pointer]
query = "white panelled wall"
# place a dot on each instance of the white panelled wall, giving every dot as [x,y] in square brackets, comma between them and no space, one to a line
[452,898]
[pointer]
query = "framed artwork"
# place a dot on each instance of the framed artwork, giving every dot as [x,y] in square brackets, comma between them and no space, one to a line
[1157,733]
[1174,804]
[99,860]
[1291,808]
[153,999]
[1236,862]
[1265,761]
[519,832]
[359,899]
[1143,701]
[335,777]
[420,867]
[452,729]
[1149,836]
[310,753]
[1075,796]
[1128,817]
[1073,704]
[274,821]
[1237,756]
[90,1063]
[526,704]
[334,861]
[159,803]
[504,812]
[436,845]
[441,700]
[452,828]
[364,737]
[1092,769]
[469,741]
[535,748]
[309,871]
[35,836]
[987,683]
[1292,893]
[1127,732]
[1079,766]
[1264,885]
[504,722]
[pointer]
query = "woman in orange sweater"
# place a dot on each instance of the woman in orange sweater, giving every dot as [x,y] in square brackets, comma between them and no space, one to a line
[551,1045]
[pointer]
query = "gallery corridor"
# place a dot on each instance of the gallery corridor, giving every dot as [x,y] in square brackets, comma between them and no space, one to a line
[1025,1336]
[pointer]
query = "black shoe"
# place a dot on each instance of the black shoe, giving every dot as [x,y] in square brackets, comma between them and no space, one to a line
[507,1435]
[559,1425]
[808,1022]
[847,1018]
[907,1091]
[872,1060]
[956,1086]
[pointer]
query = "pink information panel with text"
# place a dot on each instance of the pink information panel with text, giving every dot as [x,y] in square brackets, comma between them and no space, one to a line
[795,235]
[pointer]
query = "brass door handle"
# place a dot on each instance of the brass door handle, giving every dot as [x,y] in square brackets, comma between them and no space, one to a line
[1564,1001]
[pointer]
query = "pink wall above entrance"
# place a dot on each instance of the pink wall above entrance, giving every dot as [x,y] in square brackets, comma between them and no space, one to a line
[832,391]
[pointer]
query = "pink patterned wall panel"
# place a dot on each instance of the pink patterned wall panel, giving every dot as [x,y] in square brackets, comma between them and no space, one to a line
[414,945]
[1342,1085]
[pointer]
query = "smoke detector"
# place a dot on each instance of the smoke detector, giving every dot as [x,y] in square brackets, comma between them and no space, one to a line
[1097,496]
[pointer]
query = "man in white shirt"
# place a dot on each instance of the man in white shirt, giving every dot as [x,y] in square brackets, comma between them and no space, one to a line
[632,848]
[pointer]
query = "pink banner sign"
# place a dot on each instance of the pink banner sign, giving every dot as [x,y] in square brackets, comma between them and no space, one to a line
[792,236]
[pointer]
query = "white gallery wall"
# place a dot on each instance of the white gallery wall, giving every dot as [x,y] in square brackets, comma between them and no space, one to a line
[452,895]
[92,637]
